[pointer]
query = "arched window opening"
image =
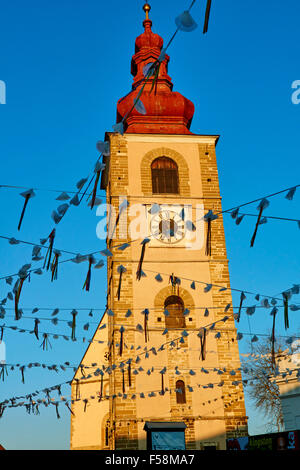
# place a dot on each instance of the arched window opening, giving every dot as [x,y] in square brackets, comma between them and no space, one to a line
[105,432]
[164,176]
[180,392]
[175,306]
[107,435]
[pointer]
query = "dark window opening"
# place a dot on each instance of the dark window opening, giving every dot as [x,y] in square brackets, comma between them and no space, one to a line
[180,392]
[175,306]
[107,436]
[164,176]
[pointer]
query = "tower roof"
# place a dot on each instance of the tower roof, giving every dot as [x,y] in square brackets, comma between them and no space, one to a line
[167,112]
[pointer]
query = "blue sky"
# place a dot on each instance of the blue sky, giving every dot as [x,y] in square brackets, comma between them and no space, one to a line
[65,65]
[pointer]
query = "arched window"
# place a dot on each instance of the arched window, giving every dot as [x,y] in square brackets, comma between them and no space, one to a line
[164,176]
[175,306]
[180,392]
[107,435]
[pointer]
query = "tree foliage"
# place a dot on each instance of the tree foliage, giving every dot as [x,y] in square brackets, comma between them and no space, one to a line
[261,387]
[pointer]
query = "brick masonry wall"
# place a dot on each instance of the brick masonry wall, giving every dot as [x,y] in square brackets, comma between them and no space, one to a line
[235,413]
[124,428]
[123,436]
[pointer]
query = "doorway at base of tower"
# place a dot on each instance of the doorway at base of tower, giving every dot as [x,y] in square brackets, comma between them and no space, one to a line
[165,435]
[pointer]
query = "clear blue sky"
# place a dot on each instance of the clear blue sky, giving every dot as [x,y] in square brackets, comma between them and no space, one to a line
[65,65]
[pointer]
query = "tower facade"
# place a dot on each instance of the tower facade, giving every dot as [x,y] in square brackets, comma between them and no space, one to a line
[164,373]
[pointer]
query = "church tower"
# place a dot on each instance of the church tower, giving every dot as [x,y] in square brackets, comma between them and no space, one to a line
[163,369]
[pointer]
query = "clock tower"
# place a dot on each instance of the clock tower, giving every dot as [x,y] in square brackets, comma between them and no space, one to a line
[165,372]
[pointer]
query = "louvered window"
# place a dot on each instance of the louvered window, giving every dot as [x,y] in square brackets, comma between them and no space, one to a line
[180,392]
[164,176]
[175,306]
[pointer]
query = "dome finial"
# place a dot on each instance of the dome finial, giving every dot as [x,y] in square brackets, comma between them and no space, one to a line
[146,9]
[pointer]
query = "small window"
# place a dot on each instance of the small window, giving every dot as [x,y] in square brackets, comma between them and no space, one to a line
[107,436]
[105,433]
[175,306]
[164,176]
[180,392]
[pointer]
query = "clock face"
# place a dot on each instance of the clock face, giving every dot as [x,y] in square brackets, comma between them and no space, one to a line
[167,227]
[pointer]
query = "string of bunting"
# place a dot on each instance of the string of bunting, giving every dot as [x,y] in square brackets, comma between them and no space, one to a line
[277,374]
[209,217]
[249,311]
[11,403]
[185,23]
[82,367]
[238,217]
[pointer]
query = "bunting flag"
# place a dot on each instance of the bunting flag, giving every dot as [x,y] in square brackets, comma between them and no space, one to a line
[103,148]
[18,290]
[101,386]
[36,328]
[3,372]
[140,265]
[202,336]
[121,269]
[119,127]
[285,296]
[264,203]
[27,195]
[122,329]
[208,238]
[207,14]
[67,405]
[209,217]
[45,342]
[85,401]
[2,408]
[87,282]
[162,372]
[146,314]
[156,78]
[139,106]
[94,194]
[123,380]
[22,373]
[274,311]
[129,373]
[82,371]
[54,265]
[290,194]
[50,249]
[175,282]
[56,409]
[97,171]
[185,22]
[77,389]
[242,298]
[73,313]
